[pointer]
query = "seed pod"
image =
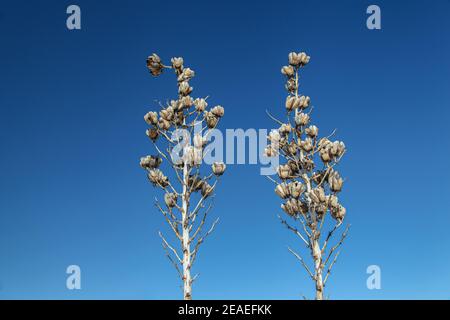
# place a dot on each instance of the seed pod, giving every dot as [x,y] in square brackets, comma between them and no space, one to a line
[324,143]
[211,120]
[292,207]
[151,118]
[167,114]
[170,199]
[333,202]
[337,149]
[312,131]
[317,195]
[195,183]
[296,189]
[292,102]
[321,210]
[200,104]
[301,119]
[284,172]
[287,71]
[282,190]
[158,178]
[186,102]
[290,85]
[338,213]
[325,155]
[335,182]
[304,59]
[294,59]
[304,102]
[270,151]
[186,74]
[317,177]
[288,209]
[274,136]
[154,65]
[218,168]
[306,145]
[293,167]
[285,129]
[184,88]
[303,206]
[177,63]
[175,104]
[291,148]
[163,124]
[218,111]
[179,118]
[207,190]
[150,162]
[307,164]
[152,134]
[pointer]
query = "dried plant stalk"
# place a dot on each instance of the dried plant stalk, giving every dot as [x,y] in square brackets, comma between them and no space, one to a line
[310,194]
[172,129]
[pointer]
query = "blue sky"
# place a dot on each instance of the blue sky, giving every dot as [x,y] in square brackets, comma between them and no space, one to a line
[72,132]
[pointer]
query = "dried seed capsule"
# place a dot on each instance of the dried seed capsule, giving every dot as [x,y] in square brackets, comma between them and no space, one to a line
[218,168]
[211,120]
[294,59]
[312,131]
[158,178]
[218,111]
[301,119]
[282,190]
[200,104]
[296,189]
[152,134]
[184,88]
[207,190]
[150,162]
[154,65]
[151,118]
[287,71]
[163,124]
[292,102]
[177,63]
[170,199]
[284,171]
[167,114]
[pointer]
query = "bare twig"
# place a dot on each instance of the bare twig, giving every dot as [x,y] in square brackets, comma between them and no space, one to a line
[302,261]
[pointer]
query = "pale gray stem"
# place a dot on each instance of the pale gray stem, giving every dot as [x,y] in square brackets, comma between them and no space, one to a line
[187,280]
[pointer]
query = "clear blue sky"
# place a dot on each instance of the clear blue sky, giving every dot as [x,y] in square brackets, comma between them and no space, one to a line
[72,131]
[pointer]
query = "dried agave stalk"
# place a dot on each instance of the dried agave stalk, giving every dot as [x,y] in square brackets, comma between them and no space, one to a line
[309,193]
[187,186]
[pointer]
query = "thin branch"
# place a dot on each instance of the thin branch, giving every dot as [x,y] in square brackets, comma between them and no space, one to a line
[302,261]
[293,230]
[172,224]
[199,228]
[173,261]
[273,118]
[202,239]
[170,247]
[344,234]
[197,207]
[331,266]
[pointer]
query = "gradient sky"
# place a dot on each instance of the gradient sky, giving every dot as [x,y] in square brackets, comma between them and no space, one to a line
[72,133]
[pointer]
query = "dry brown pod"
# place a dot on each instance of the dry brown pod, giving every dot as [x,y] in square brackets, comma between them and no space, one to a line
[218,168]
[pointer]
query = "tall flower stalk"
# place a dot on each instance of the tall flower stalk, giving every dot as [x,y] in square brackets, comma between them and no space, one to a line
[180,133]
[308,180]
